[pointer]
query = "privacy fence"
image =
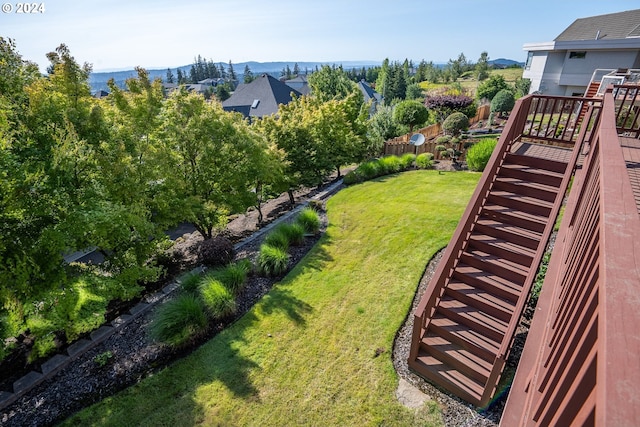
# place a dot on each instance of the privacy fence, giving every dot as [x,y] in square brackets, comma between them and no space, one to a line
[400,145]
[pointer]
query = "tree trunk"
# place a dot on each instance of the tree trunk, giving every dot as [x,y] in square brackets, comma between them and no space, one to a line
[292,200]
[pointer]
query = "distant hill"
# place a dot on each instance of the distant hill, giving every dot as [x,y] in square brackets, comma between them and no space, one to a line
[98,80]
[504,63]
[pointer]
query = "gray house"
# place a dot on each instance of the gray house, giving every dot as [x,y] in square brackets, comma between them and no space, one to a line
[565,65]
[262,97]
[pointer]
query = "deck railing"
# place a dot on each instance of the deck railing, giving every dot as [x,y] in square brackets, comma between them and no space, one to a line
[627,99]
[557,119]
[580,365]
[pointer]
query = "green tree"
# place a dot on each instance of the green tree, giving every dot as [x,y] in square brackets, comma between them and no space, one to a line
[414,91]
[231,72]
[503,102]
[210,160]
[521,87]
[456,123]
[411,113]
[331,83]
[170,78]
[222,92]
[382,127]
[482,67]
[248,75]
[491,86]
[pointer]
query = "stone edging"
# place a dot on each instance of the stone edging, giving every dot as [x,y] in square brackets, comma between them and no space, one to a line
[60,361]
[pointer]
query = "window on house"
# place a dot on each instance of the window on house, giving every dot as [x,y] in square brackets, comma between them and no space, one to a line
[577,55]
[527,66]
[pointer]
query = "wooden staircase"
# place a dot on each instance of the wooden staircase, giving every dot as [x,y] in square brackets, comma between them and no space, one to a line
[465,323]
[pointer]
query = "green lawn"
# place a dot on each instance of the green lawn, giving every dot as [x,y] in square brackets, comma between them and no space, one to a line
[309,352]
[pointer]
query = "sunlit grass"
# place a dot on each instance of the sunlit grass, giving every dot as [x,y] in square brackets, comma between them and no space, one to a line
[317,349]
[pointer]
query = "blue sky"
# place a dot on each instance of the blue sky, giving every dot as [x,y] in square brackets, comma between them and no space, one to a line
[120,34]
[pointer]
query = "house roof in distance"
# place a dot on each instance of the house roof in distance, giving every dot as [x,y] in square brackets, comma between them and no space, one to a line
[612,26]
[260,98]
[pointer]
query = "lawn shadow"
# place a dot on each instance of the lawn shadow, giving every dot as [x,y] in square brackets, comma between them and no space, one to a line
[282,300]
[317,258]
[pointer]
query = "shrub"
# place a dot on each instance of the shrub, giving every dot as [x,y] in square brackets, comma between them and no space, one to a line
[190,281]
[309,220]
[410,113]
[353,177]
[179,320]
[407,160]
[370,170]
[278,239]
[444,139]
[456,123]
[218,300]
[391,164]
[478,155]
[272,261]
[503,101]
[424,161]
[233,276]
[293,232]
[216,251]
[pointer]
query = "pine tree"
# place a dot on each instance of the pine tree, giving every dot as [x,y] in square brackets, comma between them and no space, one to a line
[248,75]
[181,78]
[170,78]
[232,73]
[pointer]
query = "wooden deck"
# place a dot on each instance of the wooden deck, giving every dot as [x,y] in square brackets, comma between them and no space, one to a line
[631,154]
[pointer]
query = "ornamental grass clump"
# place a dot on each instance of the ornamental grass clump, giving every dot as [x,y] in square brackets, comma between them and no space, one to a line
[294,232]
[272,261]
[407,160]
[424,161]
[234,276]
[179,320]
[309,220]
[190,281]
[479,154]
[391,164]
[278,239]
[218,300]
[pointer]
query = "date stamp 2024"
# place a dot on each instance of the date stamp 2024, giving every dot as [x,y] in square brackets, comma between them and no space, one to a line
[23,8]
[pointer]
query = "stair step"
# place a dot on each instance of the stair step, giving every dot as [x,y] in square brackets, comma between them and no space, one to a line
[472,317]
[536,162]
[457,357]
[510,233]
[448,378]
[482,300]
[496,265]
[530,175]
[502,248]
[491,283]
[501,214]
[522,203]
[473,341]
[517,186]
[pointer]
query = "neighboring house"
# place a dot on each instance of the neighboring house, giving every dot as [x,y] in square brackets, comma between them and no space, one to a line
[101,94]
[212,82]
[262,97]
[565,66]
[300,83]
[370,96]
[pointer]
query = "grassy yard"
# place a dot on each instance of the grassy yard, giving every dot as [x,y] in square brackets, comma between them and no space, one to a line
[317,349]
[470,83]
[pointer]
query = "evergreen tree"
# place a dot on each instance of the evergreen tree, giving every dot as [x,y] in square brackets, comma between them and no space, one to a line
[296,70]
[232,73]
[193,74]
[181,77]
[170,77]
[482,67]
[248,75]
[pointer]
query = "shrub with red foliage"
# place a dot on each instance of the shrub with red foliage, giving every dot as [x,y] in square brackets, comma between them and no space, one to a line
[217,251]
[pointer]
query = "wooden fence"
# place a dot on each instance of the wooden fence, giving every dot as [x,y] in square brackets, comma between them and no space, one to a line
[580,364]
[400,145]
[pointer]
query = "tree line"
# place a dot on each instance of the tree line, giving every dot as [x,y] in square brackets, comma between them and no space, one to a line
[115,173]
